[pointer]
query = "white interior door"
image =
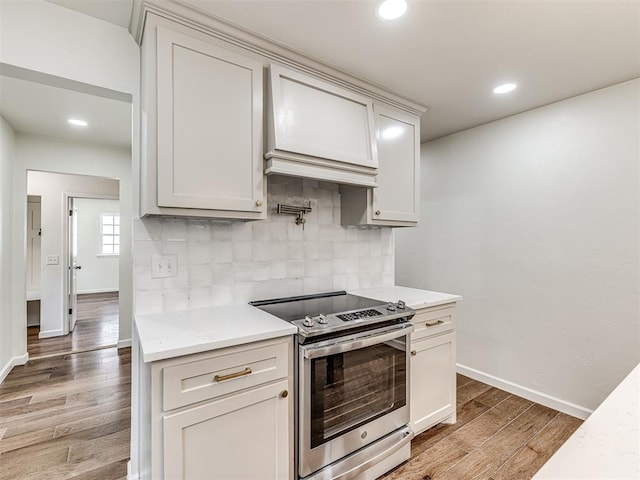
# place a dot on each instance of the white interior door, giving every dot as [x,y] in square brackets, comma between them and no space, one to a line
[33,248]
[73,265]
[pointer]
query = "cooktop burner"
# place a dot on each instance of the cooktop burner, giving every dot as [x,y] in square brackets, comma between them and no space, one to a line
[330,312]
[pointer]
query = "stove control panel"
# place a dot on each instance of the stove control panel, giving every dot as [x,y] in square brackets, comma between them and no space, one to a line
[322,324]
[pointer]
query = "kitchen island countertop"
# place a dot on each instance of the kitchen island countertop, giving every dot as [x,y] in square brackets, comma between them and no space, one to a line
[607,444]
[414,298]
[172,334]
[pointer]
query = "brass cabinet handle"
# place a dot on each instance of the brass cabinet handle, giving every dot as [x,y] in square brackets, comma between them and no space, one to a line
[222,378]
[259,203]
[284,394]
[377,212]
[414,353]
[429,325]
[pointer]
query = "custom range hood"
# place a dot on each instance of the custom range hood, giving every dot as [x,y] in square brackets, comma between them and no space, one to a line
[319,130]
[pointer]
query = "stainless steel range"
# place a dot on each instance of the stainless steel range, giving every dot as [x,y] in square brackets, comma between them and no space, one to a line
[352,373]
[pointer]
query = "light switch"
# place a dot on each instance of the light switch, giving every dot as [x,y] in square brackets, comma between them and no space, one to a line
[53,260]
[163,266]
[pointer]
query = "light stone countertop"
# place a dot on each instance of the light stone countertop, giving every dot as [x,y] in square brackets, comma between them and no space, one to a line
[172,334]
[413,297]
[607,444]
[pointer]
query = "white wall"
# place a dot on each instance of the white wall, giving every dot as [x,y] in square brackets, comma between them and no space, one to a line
[43,37]
[47,38]
[99,273]
[10,348]
[52,187]
[534,220]
[45,154]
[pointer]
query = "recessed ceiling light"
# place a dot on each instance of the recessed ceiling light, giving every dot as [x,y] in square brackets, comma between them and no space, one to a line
[77,122]
[391,9]
[505,88]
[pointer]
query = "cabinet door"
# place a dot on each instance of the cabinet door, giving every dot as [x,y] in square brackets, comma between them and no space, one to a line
[244,437]
[209,126]
[319,119]
[398,139]
[433,380]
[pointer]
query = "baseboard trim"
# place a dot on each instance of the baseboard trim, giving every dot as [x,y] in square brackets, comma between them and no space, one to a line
[524,392]
[97,290]
[50,333]
[124,343]
[21,360]
[130,474]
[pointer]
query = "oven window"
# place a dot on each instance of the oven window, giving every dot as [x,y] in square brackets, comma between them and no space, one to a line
[352,388]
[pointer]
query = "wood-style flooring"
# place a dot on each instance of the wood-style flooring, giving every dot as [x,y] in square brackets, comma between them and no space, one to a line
[96,327]
[497,436]
[67,417]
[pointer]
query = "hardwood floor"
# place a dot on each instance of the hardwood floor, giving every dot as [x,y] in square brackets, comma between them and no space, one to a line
[96,327]
[67,417]
[497,436]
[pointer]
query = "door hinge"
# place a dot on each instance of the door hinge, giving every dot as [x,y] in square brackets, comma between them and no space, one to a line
[70,311]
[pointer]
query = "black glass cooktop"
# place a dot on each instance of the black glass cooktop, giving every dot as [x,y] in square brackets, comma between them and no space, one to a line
[296,308]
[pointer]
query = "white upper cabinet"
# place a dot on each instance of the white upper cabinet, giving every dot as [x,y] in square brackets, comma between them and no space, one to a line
[319,130]
[205,158]
[396,200]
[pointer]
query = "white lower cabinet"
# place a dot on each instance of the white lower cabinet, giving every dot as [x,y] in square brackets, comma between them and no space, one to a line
[433,368]
[243,436]
[224,414]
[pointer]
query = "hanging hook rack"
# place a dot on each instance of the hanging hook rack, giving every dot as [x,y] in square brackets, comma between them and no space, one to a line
[294,210]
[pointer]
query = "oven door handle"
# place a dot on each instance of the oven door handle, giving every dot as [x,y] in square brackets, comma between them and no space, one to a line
[358,342]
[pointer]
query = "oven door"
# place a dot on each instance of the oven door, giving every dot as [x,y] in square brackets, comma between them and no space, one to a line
[353,390]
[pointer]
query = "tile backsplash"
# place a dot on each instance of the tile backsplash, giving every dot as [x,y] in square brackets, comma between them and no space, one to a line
[224,262]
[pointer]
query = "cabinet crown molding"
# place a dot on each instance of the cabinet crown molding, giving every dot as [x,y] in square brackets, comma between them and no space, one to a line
[184,12]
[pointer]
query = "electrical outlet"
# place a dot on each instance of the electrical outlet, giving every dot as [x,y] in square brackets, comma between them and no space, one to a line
[163,266]
[53,260]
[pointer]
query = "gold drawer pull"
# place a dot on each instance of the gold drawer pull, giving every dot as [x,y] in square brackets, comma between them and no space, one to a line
[222,378]
[429,325]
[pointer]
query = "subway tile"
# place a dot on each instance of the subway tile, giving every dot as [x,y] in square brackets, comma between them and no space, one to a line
[198,230]
[242,251]
[200,297]
[200,275]
[311,268]
[175,299]
[148,301]
[228,261]
[295,250]
[174,229]
[177,248]
[241,232]
[221,252]
[222,273]
[198,253]
[221,233]
[221,295]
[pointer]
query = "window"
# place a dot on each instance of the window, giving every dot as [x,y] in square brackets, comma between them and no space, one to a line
[109,234]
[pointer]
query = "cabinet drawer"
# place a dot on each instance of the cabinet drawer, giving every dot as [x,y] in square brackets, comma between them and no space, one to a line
[223,372]
[433,321]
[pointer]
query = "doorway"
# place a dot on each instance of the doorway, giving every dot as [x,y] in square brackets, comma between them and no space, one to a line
[79,243]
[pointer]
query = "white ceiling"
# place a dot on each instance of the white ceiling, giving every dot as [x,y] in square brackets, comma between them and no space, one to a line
[32,107]
[447,54]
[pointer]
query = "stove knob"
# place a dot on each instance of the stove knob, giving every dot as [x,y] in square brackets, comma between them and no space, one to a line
[391,307]
[308,321]
[401,304]
[322,319]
